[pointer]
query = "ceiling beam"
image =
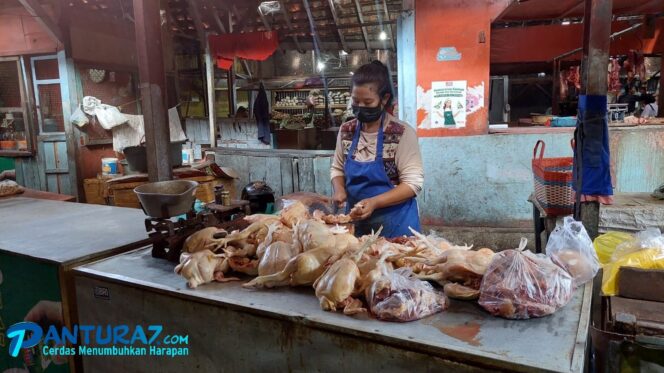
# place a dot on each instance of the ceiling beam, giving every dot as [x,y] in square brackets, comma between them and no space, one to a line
[198,22]
[286,16]
[360,18]
[342,40]
[572,9]
[220,24]
[387,18]
[44,19]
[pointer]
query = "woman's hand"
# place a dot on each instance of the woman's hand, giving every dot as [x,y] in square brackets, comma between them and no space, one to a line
[363,209]
[340,197]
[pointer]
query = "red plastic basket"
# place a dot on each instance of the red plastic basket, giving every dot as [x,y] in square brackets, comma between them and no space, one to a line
[553,182]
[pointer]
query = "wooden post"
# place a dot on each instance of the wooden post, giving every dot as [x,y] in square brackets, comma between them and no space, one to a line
[660,101]
[152,86]
[596,43]
[211,94]
[555,96]
[70,99]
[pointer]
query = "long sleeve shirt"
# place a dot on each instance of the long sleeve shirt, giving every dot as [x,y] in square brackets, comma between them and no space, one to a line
[407,157]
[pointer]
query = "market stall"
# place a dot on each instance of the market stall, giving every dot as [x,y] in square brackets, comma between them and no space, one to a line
[285,329]
[40,243]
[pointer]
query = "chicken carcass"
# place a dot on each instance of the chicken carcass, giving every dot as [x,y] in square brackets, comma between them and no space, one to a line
[317,244]
[464,267]
[256,232]
[332,219]
[338,285]
[294,213]
[202,239]
[275,257]
[203,267]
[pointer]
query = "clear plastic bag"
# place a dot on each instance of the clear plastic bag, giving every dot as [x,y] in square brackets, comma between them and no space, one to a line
[398,296]
[109,116]
[651,238]
[519,285]
[570,247]
[79,118]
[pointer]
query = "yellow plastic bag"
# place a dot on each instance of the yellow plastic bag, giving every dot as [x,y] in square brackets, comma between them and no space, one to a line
[606,244]
[644,259]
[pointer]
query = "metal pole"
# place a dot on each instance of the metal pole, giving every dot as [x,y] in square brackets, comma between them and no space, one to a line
[555,97]
[152,87]
[596,43]
[660,101]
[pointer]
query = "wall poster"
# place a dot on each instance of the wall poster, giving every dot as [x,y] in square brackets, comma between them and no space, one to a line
[448,104]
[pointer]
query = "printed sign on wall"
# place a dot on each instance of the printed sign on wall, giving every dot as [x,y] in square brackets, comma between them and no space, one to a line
[448,104]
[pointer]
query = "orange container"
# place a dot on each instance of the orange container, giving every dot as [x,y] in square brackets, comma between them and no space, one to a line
[8,144]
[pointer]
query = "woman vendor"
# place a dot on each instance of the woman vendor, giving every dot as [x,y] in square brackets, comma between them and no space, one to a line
[377,166]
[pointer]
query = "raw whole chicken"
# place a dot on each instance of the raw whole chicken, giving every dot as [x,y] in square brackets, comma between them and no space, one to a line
[294,213]
[203,239]
[338,285]
[256,232]
[275,258]
[203,267]
[519,285]
[244,265]
[312,201]
[316,244]
[464,267]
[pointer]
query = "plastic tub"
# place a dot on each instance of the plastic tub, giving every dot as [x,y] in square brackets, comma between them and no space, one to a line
[109,166]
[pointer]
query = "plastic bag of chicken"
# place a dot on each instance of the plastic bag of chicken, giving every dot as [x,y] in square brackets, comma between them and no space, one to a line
[520,285]
[398,296]
[570,247]
[313,201]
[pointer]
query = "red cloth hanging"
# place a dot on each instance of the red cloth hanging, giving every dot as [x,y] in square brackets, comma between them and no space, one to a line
[256,46]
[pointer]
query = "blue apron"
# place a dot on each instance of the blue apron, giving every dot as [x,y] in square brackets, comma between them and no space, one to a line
[368,179]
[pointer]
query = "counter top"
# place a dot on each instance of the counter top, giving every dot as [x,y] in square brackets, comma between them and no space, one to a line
[465,332]
[65,232]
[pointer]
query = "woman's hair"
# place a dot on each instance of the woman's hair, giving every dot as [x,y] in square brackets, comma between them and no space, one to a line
[649,99]
[447,103]
[375,73]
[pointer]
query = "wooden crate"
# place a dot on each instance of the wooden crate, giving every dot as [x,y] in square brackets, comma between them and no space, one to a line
[122,194]
[96,191]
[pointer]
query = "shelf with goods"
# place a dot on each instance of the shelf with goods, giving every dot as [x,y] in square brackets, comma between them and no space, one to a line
[337,98]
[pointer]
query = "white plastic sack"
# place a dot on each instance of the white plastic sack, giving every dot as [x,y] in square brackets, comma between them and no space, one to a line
[109,116]
[571,248]
[79,118]
[90,104]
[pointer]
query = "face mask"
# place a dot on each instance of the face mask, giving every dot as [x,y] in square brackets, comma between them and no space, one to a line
[367,114]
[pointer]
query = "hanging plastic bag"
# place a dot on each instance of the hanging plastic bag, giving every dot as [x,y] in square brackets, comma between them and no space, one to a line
[644,259]
[570,247]
[109,116]
[606,244]
[651,238]
[398,296]
[79,118]
[519,285]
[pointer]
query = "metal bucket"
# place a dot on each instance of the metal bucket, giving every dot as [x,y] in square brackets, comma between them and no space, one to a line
[165,199]
[138,160]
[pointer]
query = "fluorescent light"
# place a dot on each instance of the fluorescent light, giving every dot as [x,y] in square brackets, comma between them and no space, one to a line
[565,23]
[343,53]
[321,65]
[351,73]
[382,35]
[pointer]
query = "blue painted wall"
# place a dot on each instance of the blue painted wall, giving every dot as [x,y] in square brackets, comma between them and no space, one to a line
[486,180]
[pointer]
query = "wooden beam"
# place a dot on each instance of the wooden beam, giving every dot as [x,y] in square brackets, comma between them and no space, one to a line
[286,16]
[211,94]
[198,22]
[387,18]
[360,18]
[220,24]
[44,19]
[333,10]
[153,88]
[572,9]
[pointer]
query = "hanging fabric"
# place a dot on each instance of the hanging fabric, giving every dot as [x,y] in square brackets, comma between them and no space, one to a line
[257,46]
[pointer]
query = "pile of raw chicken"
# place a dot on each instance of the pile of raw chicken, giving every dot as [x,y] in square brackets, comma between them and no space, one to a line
[388,278]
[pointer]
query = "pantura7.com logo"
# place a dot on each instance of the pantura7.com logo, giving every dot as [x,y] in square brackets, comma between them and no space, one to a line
[96,340]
